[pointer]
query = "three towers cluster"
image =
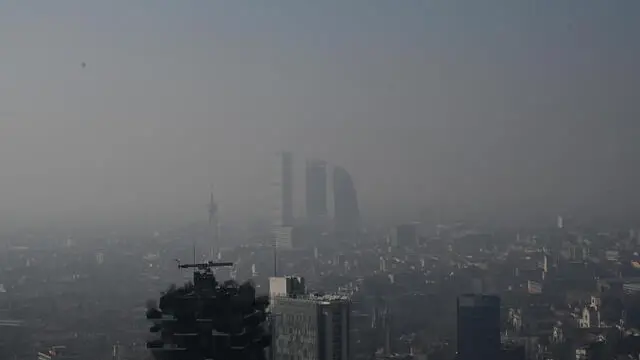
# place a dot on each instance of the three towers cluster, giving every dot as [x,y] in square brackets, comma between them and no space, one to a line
[346,210]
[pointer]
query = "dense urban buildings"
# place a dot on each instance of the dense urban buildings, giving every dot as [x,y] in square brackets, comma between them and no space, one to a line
[460,180]
[569,293]
[395,291]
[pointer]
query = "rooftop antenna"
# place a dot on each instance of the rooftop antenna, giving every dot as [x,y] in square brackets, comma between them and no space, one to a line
[214,224]
[275,256]
[203,266]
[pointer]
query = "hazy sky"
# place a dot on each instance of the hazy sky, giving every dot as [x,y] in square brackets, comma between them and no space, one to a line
[500,107]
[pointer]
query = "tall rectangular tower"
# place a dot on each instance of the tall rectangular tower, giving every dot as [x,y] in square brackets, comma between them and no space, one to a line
[478,327]
[286,184]
[309,327]
[316,192]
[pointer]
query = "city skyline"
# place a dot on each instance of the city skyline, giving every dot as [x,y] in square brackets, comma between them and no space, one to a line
[112,112]
[320,180]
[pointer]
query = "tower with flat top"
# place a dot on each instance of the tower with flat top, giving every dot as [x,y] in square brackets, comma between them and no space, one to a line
[204,319]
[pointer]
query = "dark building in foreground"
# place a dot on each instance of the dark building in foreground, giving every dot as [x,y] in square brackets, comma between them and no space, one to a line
[311,328]
[478,327]
[513,352]
[208,320]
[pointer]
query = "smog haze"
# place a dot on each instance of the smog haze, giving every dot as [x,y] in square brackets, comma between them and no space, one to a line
[119,111]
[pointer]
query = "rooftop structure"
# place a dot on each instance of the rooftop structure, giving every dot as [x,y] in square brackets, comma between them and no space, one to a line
[309,326]
[286,286]
[204,319]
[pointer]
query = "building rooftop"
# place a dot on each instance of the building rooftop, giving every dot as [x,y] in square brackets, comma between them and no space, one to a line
[320,298]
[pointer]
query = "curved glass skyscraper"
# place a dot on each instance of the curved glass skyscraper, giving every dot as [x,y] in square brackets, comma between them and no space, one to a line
[345,202]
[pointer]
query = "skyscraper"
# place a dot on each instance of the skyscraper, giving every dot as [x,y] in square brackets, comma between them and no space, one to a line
[310,327]
[345,202]
[286,190]
[316,192]
[404,235]
[478,327]
[205,319]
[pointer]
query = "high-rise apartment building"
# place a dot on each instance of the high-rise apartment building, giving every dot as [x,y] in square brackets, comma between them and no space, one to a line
[205,319]
[309,327]
[286,190]
[478,327]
